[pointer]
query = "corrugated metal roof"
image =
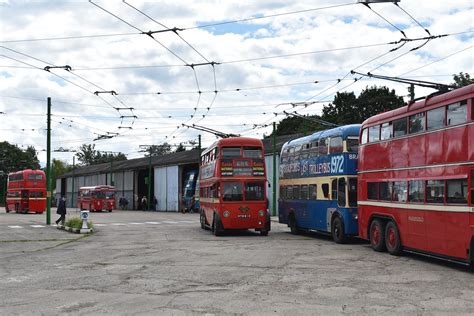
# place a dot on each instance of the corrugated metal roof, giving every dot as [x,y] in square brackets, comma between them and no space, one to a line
[180,158]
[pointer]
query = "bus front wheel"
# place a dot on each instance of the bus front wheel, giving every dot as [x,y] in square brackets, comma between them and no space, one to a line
[392,239]
[337,230]
[377,235]
[217,226]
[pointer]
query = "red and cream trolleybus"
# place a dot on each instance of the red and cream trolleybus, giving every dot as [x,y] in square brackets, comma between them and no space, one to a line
[416,177]
[232,186]
[96,198]
[26,191]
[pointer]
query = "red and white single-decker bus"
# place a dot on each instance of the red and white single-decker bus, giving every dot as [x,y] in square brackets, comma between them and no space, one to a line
[26,191]
[96,198]
[416,177]
[232,186]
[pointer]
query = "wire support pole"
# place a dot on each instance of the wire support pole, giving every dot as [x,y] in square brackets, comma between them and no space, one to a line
[48,164]
[274,171]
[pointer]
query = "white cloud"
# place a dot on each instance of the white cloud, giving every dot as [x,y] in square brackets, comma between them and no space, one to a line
[310,31]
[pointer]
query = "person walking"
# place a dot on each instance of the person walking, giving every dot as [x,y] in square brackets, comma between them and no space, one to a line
[155,202]
[144,203]
[61,210]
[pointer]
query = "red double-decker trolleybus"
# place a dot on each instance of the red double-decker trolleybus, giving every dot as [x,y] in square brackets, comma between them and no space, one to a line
[416,177]
[96,198]
[232,186]
[26,191]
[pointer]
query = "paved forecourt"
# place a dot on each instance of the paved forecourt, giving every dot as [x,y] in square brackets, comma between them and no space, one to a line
[164,263]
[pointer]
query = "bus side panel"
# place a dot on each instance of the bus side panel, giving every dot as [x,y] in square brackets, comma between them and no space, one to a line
[455,141]
[398,153]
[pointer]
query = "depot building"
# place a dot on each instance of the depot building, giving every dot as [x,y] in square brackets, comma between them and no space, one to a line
[131,177]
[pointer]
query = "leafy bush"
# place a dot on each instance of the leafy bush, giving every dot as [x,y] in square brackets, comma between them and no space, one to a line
[76,222]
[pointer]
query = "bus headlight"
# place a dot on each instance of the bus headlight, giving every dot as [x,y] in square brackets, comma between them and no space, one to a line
[261,213]
[226,213]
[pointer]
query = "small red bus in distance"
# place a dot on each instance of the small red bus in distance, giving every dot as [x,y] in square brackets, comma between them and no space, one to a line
[232,186]
[96,198]
[26,191]
[416,177]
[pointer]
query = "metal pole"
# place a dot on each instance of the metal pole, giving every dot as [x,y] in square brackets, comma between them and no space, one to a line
[149,180]
[274,171]
[48,164]
[73,167]
[199,148]
[412,92]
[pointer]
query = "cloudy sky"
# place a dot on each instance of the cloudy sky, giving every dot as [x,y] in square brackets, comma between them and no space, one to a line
[233,66]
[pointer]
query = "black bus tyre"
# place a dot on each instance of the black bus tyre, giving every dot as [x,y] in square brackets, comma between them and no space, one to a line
[17,208]
[337,230]
[217,226]
[6,208]
[377,235]
[292,224]
[202,219]
[264,232]
[392,239]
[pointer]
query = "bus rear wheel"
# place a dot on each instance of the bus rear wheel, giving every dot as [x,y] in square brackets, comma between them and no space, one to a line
[292,224]
[202,220]
[377,235]
[392,239]
[337,230]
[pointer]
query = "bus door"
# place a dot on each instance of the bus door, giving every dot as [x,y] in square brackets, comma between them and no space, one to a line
[333,200]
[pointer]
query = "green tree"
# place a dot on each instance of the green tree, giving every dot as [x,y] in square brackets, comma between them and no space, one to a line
[58,168]
[180,148]
[462,80]
[293,125]
[347,109]
[88,155]
[158,150]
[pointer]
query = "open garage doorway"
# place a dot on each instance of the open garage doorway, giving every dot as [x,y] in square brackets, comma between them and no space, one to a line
[141,188]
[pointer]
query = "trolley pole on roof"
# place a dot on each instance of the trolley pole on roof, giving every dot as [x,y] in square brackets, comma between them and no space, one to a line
[274,171]
[48,164]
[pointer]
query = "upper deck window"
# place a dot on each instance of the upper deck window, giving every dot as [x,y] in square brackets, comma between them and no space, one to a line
[323,147]
[35,177]
[374,133]
[363,137]
[352,145]
[417,123]
[400,127]
[457,113]
[231,152]
[335,145]
[313,152]
[435,118]
[252,152]
[386,131]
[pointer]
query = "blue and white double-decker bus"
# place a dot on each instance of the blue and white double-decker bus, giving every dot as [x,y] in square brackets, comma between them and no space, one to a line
[318,182]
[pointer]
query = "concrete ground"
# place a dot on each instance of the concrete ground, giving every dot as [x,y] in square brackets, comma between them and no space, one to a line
[153,263]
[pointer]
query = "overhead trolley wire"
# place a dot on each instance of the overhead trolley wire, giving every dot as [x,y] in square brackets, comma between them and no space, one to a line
[267,16]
